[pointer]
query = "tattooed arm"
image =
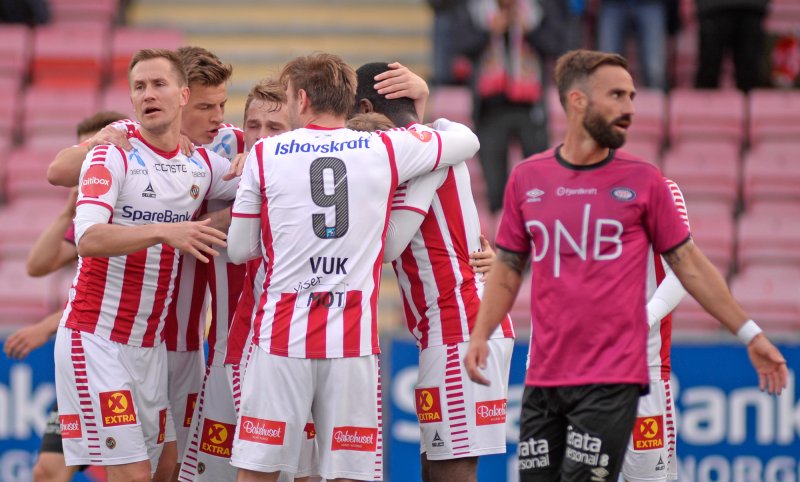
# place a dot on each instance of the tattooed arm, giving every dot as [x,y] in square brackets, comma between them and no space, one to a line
[702,280]
[501,290]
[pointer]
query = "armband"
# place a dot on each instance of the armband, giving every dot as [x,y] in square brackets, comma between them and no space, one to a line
[748,331]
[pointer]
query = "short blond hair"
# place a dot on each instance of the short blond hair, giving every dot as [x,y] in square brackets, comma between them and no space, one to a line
[269,91]
[369,122]
[203,67]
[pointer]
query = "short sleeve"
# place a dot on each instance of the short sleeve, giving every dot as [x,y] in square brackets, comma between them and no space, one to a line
[666,227]
[512,234]
[416,150]
[102,174]
[417,194]
[249,195]
[680,203]
[228,143]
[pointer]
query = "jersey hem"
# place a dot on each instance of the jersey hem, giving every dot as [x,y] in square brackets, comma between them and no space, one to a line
[667,251]
[578,383]
[410,208]
[511,250]
[69,461]
[471,453]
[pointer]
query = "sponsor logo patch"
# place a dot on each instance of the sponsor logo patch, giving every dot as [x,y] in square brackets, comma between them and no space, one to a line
[258,430]
[117,408]
[362,439]
[217,438]
[310,431]
[149,191]
[162,426]
[647,433]
[70,426]
[191,401]
[490,412]
[534,195]
[96,181]
[429,406]
[111,443]
[623,194]
[424,136]
[201,467]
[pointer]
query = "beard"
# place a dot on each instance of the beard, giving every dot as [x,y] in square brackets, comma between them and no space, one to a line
[603,132]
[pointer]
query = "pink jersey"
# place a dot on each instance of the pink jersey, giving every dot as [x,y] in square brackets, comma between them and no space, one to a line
[588,229]
[659,337]
[125,298]
[186,318]
[241,331]
[323,196]
[441,294]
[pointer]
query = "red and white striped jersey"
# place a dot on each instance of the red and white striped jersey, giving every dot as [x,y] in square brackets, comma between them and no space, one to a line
[186,318]
[659,338]
[125,298]
[240,334]
[323,197]
[441,294]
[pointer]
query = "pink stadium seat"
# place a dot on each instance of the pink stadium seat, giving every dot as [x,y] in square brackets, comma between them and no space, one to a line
[100,12]
[117,98]
[50,142]
[25,175]
[712,229]
[24,220]
[772,172]
[690,318]
[125,41]
[649,122]
[783,16]
[770,295]
[649,151]
[705,170]
[707,115]
[454,103]
[49,110]
[70,55]
[15,51]
[556,118]
[23,299]
[9,107]
[774,116]
[769,233]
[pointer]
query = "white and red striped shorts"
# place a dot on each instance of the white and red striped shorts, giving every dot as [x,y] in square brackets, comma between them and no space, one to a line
[651,450]
[341,394]
[112,400]
[458,417]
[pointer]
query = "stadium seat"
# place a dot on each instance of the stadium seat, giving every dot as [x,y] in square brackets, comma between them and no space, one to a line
[25,174]
[125,41]
[23,299]
[783,16]
[454,103]
[556,118]
[769,233]
[24,220]
[689,318]
[15,51]
[707,115]
[98,12]
[772,173]
[649,122]
[649,151]
[684,56]
[70,55]
[9,107]
[117,98]
[49,110]
[771,295]
[713,231]
[774,116]
[705,171]
[50,142]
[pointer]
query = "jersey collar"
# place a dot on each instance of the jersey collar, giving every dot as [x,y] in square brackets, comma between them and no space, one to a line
[164,154]
[588,167]
[320,128]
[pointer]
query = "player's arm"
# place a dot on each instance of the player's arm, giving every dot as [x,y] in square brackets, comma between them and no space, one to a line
[51,251]
[702,280]
[403,224]
[666,297]
[458,142]
[220,219]
[410,205]
[23,341]
[66,167]
[244,235]
[499,294]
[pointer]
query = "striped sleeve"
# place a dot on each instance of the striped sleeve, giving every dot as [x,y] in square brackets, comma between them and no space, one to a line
[680,203]
[102,175]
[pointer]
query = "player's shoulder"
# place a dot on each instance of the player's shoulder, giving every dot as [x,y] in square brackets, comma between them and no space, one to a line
[228,142]
[625,158]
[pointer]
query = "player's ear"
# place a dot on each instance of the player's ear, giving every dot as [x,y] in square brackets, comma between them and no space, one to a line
[365,106]
[184,95]
[303,101]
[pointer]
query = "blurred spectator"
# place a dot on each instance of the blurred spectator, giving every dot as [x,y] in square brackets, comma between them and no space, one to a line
[507,41]
[30,12]
[735,25]
[446,14]
[649,20]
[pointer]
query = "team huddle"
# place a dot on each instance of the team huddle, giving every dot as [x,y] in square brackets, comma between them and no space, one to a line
[281,229]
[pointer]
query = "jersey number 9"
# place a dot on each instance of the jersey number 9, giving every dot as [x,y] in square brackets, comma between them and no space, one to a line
[336,199]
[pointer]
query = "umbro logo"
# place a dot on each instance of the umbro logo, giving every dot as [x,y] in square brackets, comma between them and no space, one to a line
[437,440]
[534,195]
[149,191]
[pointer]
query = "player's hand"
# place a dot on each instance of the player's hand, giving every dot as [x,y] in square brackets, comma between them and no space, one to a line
[69,208]
[23,341]
[400,82]
[186,145]
[481,261]
[110,135]
[475,360]
[194,237]
[769,364]
[237,167]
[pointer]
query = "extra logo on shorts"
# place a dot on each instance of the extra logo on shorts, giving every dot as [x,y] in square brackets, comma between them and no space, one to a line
[96,181]
[490,412]
[310,431]
[361,439]
[162,426]
[647,433]
[217,438]
[429,406]
[262,431]
[70,426]
[117,408]
[191,401]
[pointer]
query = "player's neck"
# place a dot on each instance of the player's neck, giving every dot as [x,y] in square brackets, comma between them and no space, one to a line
[166,141]
[325,120]
[581,149]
